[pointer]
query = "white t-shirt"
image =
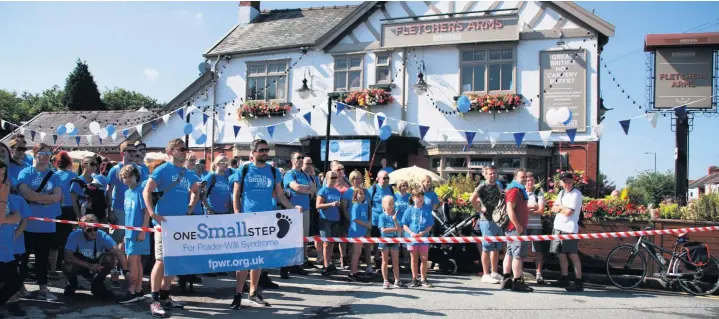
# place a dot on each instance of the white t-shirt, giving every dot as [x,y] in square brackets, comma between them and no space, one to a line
[571,200]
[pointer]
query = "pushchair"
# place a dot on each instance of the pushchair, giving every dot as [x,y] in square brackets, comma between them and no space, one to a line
[453,258]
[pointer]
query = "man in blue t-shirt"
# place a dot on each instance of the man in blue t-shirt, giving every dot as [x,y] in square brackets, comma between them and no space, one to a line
[141,149]
[299,187]
[374,195]
[179,197]
[388,169]
[116,191]
[254,185]
[91,253]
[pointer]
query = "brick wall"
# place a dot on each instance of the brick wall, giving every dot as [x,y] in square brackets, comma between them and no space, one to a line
[584,157]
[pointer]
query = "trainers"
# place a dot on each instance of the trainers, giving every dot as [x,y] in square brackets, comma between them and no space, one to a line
[490,279]
[399,284]
[332,269]
[353,277]
[98,289]
[140,296]
[258,301]
[414,283]
[497,276]
[14,310]
[426,284]
[540,278]
[171,304]
[369,270]
[576,286]
[506,283]
[69,291]
[128,297]
[519,285]
[156,309]
[386,285]
[236,302]
[297,270]
[325,272]
[45,294]
[562,282]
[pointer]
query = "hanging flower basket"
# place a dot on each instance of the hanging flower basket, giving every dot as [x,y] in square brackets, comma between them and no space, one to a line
[494,103]
[368,98]
[251,109]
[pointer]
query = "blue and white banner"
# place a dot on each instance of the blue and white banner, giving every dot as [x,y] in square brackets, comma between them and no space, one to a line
[346,150]
[220,243]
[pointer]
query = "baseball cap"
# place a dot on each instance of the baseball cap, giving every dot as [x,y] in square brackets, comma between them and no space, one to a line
[566,175]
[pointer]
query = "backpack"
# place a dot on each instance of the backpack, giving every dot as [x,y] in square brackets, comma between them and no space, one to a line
[97,203]
[245,169]
[500,215]
[373,190]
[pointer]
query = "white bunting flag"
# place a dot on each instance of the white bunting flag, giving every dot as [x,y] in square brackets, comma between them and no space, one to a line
[255,132]
[359,114]
[598,130]
[42,136]
[89,139]
[166,118]
[401,126]
[545,135]
[190,109]
[139,129]
[114,135]
[22,130]
[652,117]
[220,125]
[493,137]
[2,124]
[290,125]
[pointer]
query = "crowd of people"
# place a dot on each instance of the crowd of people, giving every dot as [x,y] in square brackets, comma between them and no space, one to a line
[333,204]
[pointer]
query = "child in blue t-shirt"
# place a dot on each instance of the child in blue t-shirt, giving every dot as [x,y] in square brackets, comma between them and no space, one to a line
[359,227]
[136,242]
[418,222]
[390,228]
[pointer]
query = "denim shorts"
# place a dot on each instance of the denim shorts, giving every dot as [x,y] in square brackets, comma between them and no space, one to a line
[516,249]
[490,229]
[392,246]
[329,228]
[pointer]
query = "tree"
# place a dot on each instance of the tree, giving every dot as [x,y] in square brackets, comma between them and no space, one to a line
[81,92]
[605,185]
[650,188]
[121,99]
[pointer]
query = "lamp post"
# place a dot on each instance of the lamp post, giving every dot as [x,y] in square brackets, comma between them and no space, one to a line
[655,160]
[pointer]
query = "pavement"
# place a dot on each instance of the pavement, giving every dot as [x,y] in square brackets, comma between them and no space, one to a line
[317,297]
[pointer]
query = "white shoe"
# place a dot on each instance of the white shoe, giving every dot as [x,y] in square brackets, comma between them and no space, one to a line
[23,293]
[497,276]
[489,279]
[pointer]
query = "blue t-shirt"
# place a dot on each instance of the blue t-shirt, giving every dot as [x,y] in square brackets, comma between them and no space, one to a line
[14,170]
[330,195]
[65,178]
[417,219]
[76,189]
[387,169]
[430,199]
[76,242]
[28,161]
[102,179]
[219,199]
[359,211]
[7,231]
[295,198]
[118,187]
[144,172]
[377,193]
[32,179]
[18,204]
[401,202]
[258,188]
[134,210]
[385,221]
[174,202]
[198,210]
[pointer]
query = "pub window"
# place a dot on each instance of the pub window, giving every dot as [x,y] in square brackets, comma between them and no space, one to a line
[348,73]
[535,163]
[436,162]
[476,162]
[512,162]
[456,162]
[383,70]
[267,80]
[487,69]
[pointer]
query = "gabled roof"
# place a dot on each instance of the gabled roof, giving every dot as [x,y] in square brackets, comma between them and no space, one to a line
[49,121]
[710,179]
[281,29]
[318,27]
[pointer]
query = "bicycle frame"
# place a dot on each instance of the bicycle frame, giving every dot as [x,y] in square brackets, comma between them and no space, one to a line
[651,249]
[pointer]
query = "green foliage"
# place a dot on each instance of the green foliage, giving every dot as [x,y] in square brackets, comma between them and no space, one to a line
[81,93]
[669,211]
[457,192]
[121,99]
[606,186]
[703,209]
[650,188]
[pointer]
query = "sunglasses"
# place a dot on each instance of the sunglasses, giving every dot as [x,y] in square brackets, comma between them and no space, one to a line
[90,230]
[341,169]
[44,153]
[92,164]
[222,163]
[299,158]
[130,151]
[386,178]
[333,177]
[262,150]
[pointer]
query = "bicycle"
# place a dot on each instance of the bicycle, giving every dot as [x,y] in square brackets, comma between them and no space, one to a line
[692,269]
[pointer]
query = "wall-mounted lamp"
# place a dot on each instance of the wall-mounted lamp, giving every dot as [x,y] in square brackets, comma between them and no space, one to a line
[421,87]
[305,91]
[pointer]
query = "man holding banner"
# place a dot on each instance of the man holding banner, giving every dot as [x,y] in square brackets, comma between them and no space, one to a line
[255,184]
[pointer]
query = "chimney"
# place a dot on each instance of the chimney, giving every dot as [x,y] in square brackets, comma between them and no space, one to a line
[249,10]
[712,169]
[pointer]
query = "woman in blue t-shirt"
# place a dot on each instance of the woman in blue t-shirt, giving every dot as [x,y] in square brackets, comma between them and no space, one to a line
[417,222]
[217,199]
[360,226]
[401,202]
[64,172]
[431,200]
[8,218]
[328,203]
[43,192]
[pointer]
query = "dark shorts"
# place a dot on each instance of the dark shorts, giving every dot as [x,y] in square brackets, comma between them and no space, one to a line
[329,228]
[516,249]
[539,246]
[570,246]
[375,232]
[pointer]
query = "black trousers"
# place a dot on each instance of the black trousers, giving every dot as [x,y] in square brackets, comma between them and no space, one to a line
[39,244]
[11,280]
[62,232]
[71,271]
[21,268]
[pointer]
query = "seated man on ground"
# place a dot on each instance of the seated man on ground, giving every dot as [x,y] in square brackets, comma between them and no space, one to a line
[91,253]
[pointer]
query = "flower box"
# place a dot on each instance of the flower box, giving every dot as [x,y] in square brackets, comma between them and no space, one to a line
[259,108]
[368,98]
[489,103]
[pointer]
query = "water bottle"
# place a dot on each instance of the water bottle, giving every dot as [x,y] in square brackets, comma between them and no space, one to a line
[661,258]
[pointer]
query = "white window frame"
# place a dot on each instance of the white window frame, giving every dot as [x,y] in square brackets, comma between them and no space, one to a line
[267,75]
[387,66]
[487,63]
[347,72]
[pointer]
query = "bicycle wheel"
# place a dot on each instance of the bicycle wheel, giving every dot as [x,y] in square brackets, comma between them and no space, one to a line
[698,281]
[626,267]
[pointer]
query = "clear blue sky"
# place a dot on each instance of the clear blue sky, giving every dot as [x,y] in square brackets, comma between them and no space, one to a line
[155,47]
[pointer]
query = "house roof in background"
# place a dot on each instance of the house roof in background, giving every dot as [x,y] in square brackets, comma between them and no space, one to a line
[48,122]
[710,179]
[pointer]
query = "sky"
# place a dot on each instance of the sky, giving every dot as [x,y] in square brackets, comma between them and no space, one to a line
[155,48]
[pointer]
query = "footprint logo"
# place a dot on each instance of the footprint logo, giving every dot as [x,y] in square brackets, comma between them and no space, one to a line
[283,223]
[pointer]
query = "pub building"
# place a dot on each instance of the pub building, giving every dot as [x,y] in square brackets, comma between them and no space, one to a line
[407,64]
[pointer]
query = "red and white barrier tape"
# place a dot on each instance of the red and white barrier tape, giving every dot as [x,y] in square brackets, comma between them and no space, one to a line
[440,240]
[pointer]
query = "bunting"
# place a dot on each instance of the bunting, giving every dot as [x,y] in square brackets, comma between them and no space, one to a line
[54,139]
[340,107]
[518,137]
[401,126]
[236,128]
[493,137]
[204,118]
[125,133]
[598,130]
[166,118]
[572,133]
[114,135]
[154,125]
[545,135]
[181,113]
[271,130]
[652,117]
[307,116]
[290,126]
[359,114]
[89,139]
[625,126]
[2,124]
[380,120]
[681,111]
[42,136]
[99,140]
[22,130]
[139,129]
[32,135]
[77,140]
[423,131]
[469,135]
